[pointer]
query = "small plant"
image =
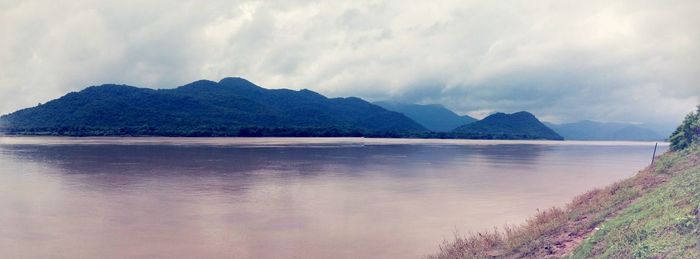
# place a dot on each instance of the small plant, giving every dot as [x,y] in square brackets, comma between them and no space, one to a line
[665,163]
[685,224]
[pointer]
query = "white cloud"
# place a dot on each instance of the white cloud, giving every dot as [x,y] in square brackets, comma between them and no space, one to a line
[563,60]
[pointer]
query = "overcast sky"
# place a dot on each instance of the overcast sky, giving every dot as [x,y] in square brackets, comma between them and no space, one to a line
[635,61]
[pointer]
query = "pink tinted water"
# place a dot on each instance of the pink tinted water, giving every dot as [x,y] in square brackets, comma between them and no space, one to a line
[282,198]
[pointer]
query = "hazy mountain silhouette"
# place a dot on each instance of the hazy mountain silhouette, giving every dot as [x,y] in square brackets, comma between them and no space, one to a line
[434,117]
[592,130]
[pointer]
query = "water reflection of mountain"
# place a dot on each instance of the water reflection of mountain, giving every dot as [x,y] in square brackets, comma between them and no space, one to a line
[211,160]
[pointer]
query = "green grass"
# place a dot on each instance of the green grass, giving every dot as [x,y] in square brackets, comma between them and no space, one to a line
[661,224]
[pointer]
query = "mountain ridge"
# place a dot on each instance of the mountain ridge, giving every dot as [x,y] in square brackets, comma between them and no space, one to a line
[594,130]
[203,106]
[519,125]
[434,117]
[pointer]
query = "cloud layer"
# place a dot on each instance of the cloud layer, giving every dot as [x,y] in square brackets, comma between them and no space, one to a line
[636,61]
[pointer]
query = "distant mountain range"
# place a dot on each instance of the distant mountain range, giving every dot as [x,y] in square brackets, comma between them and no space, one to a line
[519,125]
[592,130]
[231,107]
[237,107]
[434,117]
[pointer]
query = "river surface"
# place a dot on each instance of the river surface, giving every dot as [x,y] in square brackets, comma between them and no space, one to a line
[282,197]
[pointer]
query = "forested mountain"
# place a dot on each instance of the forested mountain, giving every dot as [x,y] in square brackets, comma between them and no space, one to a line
[519,125]
[230,107]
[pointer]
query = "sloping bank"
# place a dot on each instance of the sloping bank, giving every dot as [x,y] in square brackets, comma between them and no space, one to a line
[654,214]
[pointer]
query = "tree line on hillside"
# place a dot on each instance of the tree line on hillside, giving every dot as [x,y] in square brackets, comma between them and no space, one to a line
[235,107]
[253,132]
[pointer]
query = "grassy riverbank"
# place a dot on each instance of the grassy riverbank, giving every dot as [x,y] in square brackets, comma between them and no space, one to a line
[663,223]
[651,215]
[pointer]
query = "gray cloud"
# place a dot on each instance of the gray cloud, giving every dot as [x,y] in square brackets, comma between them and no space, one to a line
[632,61]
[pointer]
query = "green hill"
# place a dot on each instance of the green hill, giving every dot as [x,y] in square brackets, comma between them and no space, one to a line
[231,107]
[519,125]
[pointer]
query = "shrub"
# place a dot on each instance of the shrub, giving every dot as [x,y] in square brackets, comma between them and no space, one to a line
[688,132]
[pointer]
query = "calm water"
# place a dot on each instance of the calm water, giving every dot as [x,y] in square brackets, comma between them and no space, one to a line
[282,198]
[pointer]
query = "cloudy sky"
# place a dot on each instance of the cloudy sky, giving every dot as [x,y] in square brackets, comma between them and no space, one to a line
[635,61]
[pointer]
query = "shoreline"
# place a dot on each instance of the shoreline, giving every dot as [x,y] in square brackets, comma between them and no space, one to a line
[628,218]
[291,141]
